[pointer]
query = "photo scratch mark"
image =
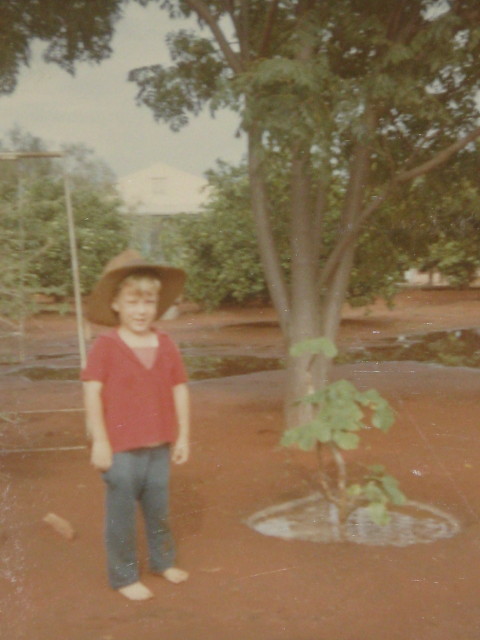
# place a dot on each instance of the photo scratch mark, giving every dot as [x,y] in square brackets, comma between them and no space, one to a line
[444,468]
[267,573]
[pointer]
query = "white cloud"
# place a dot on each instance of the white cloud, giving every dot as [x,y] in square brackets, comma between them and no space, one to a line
[97,106]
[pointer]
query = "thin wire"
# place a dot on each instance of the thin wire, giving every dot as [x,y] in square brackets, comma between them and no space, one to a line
[439,461]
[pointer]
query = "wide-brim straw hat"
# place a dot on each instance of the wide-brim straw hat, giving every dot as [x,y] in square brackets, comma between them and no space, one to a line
[127,263]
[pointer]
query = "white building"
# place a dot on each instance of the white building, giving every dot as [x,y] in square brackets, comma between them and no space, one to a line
[152,194]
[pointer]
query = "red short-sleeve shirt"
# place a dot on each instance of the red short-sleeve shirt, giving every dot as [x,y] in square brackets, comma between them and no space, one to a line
[138,402]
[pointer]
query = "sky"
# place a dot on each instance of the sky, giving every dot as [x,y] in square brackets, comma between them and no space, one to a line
[96,107]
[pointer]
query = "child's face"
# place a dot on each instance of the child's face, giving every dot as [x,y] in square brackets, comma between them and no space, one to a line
[136,305]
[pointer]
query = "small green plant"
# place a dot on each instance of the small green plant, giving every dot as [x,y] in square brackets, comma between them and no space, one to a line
[340,412]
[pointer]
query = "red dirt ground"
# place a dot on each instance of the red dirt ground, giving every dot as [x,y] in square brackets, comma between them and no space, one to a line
[243,585]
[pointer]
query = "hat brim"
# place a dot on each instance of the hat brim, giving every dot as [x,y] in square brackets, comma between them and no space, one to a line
[99,309]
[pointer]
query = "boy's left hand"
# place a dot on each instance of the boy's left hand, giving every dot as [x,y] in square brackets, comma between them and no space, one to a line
[180,451]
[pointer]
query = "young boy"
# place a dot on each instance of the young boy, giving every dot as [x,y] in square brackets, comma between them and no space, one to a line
[137,409]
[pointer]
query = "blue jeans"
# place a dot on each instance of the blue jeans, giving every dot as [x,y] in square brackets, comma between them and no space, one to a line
[140,475]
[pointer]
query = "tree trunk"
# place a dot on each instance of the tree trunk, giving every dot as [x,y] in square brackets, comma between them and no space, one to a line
[337,284]
[266,242]
[305,309]
[314,314]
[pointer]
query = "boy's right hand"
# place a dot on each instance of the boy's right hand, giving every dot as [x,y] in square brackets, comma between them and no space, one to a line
[101,456]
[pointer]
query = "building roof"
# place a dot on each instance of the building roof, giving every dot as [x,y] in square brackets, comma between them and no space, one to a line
[162,190]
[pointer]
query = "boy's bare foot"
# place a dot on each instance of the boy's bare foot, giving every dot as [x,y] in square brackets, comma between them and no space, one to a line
[175,575]
[136,591]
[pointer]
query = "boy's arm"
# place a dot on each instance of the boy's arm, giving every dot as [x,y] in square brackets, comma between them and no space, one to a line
[101,455]
[181,448]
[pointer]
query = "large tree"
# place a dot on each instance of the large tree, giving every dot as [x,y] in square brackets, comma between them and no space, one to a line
[376,92]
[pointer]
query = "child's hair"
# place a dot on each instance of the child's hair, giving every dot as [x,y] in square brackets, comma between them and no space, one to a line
[143,281]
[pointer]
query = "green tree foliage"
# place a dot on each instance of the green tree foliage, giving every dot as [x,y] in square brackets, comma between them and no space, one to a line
[100,231]
[218,247]
[221,255]
[434,223]
[33,225]
[449,238]
[74,31]
[219,250]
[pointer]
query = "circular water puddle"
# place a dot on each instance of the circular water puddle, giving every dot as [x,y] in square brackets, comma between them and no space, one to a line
[313,519]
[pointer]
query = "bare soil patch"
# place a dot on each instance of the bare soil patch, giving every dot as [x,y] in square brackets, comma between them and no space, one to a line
[245,585]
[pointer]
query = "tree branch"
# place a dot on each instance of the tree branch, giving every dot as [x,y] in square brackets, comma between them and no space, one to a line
[339,277]
[203,12]
[437,160]
[394,19]
[244,34]
[403,176]
[318,219]
[265,42]
[266,243]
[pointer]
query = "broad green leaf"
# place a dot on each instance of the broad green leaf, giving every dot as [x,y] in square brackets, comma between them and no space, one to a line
[343,419]
[313,346]
[369,398]
[342,389]
[373,492]
[345,440]
[303,437]
[354,490]
[378,513]
[317,397]
[322,431]
[390,487]
[383,417]
[377,469]
[397,497]
[389,482]
[306,440]
[288,438]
